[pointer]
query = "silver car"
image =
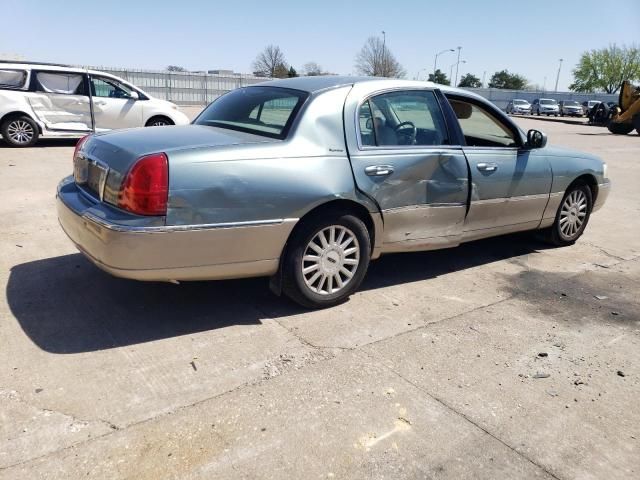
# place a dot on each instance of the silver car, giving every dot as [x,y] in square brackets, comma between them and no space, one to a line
[306,180]
[518,106]
[545,106]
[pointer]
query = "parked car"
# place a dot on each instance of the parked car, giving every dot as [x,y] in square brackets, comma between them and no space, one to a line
[307,179]
[546,106]
[49,100]
[519,106]
[587,106]
[570,107]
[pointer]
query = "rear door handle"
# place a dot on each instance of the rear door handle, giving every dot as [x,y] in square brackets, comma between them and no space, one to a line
[487,167]
[379,170]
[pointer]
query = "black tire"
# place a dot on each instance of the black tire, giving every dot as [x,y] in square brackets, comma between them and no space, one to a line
[159,121]
[20,131]
[555,234]
[294,284]
[620,128]
[636,122]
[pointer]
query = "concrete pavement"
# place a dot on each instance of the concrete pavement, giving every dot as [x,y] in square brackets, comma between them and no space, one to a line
[503,358]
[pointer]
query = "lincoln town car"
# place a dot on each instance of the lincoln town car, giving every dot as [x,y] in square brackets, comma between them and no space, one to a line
[306,180]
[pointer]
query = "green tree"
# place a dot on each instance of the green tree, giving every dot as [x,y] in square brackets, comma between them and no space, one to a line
[470,81]
[510,81]
[292,72]
[605,69]
[439,77]
[175,68]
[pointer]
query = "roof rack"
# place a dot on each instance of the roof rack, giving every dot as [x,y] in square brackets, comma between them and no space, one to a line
[38,63]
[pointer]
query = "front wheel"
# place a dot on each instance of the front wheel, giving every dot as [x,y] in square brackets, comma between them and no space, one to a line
[572,216]
[158,122]
[20,131]
[326,260]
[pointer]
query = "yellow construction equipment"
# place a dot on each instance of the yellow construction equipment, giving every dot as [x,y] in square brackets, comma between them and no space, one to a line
[626,116]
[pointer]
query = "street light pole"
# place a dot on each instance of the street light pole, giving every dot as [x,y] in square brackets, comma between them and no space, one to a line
[384,52]
[456,82]
[558,75]
[435,60]
[451,69]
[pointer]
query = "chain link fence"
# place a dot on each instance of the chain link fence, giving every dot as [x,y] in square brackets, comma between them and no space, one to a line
[200,88]
[183,88]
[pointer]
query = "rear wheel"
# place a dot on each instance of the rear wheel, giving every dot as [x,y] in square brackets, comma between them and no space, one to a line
[20,131]
[159,122]
[572,216]
[620,128]
[636,122]
[326,260]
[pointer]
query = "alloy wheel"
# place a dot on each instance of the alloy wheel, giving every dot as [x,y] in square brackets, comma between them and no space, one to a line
[330,260]
[573,213]
[20,131]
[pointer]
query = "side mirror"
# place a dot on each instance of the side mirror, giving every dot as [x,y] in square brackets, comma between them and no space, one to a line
[536,139]
[134,95]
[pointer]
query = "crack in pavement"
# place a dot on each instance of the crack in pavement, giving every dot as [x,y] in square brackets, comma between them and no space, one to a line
[468,419]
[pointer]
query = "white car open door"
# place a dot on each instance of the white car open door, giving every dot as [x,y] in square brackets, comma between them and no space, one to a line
[61,101]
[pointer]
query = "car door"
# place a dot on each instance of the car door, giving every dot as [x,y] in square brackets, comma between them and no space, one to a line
[402,157]
[113,105]
[510,184]
[61,101]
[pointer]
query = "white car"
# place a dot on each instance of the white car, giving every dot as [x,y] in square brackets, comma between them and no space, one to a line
[55,101]
[518,105]
[545,106]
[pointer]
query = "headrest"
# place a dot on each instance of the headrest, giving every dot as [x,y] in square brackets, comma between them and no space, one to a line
[462,109]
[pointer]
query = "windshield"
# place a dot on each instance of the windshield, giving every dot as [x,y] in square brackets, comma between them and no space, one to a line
[547,102]
[571,104]
[520,102]
[267,111]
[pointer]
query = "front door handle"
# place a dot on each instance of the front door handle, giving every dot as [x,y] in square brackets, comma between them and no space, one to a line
[487,167]
[379,170]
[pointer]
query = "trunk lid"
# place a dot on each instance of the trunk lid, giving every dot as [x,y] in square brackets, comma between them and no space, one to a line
[104,159]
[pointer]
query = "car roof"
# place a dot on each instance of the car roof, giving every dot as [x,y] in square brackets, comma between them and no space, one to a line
[52,67]
[324,82]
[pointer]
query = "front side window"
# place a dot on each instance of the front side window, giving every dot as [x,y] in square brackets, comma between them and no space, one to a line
[61,82]
[266,111]
[12,78]
[402,119]
[109,88]
[480,127]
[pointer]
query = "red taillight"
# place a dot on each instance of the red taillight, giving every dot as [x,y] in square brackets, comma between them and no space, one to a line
[146,187]
[79,145]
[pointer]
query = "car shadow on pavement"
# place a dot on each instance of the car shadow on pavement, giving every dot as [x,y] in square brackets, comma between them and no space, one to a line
[67,305]
[46,142]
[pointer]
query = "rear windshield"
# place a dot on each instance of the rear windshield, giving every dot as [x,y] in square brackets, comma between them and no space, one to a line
[12,78]
[267,111]
[548,102]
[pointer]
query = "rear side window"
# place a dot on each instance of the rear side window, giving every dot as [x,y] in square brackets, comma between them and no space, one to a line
[12,78]
[65,83]
[402,118]
[266,111]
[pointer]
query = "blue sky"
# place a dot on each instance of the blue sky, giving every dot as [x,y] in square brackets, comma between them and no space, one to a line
[523,36]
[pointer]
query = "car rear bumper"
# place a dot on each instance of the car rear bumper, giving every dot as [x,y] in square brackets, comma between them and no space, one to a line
[169,253]
[603,194]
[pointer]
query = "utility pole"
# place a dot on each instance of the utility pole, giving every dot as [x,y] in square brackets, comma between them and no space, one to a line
[456,82]
[484,75]
[558,75]
[435,60]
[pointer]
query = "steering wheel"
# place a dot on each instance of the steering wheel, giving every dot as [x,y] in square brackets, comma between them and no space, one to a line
[408,135]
